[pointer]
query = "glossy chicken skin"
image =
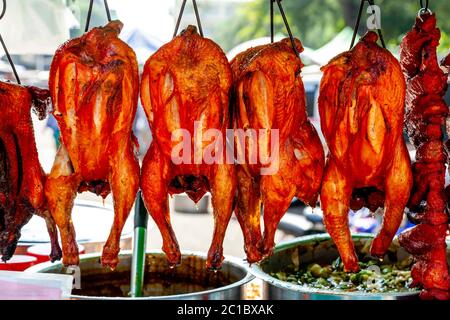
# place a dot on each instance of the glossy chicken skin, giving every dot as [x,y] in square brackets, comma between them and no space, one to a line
[361,107]
[94,84]
[21,176]
[269,95]
[185,86]
[426,112]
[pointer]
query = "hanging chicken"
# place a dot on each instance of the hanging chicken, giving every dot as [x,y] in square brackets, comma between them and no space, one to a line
[21,176]
[361,106]
[270,97]
[184,91]
[426,112]
[94,84]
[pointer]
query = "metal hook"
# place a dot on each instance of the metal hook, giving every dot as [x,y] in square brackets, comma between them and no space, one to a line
[180,15]
[8,56]
[358,20]
[88,19]
[423,10]
[286,24]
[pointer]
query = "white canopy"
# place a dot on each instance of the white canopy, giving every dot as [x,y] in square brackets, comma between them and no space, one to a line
[35,26]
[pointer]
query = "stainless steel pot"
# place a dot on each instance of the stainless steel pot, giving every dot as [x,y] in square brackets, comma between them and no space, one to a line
[190,280]
[315,248]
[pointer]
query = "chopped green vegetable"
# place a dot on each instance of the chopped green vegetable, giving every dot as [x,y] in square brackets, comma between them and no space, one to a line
[374,276]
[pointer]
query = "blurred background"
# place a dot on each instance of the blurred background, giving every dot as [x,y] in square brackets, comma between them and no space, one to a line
[33,29]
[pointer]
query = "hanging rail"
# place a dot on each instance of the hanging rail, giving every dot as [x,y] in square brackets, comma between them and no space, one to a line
[358,20]
[180,15]
[8,56]
[88,19]
[286,24]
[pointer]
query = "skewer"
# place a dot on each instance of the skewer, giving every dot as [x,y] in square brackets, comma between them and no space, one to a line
[139,246]
[8,56]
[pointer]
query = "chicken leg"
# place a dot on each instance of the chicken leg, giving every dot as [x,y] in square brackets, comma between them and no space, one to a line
[156,175]
[61,189]
[222,181]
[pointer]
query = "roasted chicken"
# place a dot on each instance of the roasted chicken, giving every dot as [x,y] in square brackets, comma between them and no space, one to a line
[184,91]
[426,112]
[269,97]
[361,107]
[94,84]
[21,176]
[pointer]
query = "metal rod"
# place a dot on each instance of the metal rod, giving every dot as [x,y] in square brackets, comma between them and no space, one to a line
[179,18]
[11,63]
[271,21]
[381,38]
[291,37]
[108,13]
[380,34]
[194,2]
[8,56]
[3,10]
[197,16]
[426,5]
[88,19]
[355,30]
[358,20]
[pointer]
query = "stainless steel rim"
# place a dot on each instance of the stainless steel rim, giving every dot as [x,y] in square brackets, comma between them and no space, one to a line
[236,262]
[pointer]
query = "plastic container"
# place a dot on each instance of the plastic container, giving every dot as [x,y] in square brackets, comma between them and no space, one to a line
[24,286]
[41,251]
[18,263]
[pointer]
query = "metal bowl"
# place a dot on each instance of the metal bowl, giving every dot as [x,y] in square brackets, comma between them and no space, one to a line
[190,280]
[320,249]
